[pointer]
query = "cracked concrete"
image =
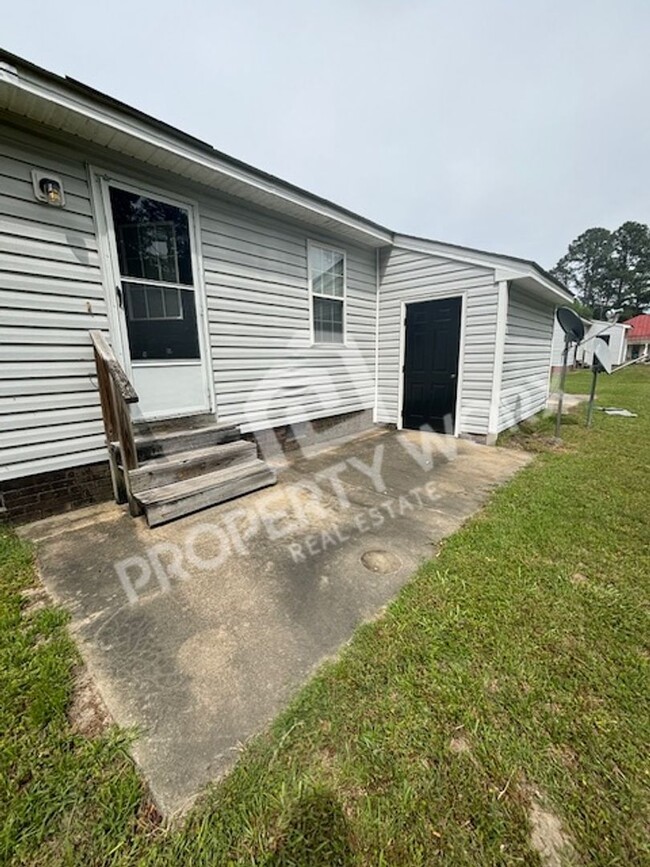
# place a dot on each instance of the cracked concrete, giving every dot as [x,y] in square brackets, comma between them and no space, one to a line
[198,632]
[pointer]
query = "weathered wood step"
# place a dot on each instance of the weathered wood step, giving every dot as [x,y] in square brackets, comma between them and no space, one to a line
[186,465]
[181,498]
[146,428]
[150,447]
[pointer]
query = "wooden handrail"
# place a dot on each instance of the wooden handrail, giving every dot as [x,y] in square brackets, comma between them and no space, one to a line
[115,394]
[124,387]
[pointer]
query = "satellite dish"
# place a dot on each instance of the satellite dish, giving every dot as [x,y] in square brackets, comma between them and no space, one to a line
[602,354]
[571,324]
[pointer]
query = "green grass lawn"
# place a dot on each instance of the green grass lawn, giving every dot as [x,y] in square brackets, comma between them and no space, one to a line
[508,680]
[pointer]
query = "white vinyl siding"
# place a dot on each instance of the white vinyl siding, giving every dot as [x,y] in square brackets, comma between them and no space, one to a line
[412,276]
[267,373]
[527,358]
[50,296]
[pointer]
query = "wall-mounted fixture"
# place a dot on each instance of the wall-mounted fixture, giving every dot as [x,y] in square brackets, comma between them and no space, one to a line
[48,188]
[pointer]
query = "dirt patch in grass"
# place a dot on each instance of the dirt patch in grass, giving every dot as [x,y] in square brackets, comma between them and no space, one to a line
[459,744]
[34,600]
[87,713]
[548,836]
[537,434]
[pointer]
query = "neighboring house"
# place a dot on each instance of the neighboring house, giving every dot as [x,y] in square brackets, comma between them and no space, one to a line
[557,349]
[582,355]
[227,293]
[638,337]
[613,333]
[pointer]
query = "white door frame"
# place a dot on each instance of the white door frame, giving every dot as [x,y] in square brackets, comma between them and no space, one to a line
[462,294]
[100,180]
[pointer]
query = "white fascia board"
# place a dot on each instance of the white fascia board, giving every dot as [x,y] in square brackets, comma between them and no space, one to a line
[8,74]
[10,77]
[540,283]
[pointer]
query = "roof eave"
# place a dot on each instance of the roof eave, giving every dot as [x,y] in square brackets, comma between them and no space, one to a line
[33,94]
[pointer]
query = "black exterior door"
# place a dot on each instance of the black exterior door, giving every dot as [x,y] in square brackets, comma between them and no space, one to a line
[431,364]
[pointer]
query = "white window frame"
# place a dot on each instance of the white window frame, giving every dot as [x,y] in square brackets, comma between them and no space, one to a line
[311,245]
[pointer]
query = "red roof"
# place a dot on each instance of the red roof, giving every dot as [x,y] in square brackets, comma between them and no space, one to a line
[640,327]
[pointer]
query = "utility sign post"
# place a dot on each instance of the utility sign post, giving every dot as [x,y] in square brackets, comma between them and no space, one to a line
[602,362]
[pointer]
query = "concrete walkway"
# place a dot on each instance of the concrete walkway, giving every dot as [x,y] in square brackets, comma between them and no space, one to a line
[198,632]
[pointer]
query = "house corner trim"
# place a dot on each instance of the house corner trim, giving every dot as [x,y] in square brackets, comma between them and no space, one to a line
[499,352]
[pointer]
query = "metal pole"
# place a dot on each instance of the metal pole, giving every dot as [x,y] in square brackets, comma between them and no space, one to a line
[560,397]
[592,393]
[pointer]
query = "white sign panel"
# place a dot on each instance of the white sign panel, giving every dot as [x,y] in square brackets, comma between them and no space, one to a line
[602,353]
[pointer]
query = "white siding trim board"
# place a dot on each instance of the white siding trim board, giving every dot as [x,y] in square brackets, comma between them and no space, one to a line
[499,351]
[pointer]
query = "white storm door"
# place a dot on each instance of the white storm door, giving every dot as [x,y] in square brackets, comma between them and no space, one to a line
[159,305]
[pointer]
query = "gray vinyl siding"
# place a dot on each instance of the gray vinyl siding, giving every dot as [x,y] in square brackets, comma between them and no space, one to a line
[527,358]
[50,296]
[266,371]
[408,276]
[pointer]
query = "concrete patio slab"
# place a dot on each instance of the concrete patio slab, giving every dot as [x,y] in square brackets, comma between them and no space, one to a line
[198,632]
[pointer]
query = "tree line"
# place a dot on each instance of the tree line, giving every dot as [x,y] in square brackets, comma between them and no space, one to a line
[609,270]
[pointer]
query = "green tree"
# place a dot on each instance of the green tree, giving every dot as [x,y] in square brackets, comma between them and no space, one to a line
[631,268]
[582,309]
[609,270]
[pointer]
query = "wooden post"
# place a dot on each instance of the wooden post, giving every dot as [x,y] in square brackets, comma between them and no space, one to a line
[592,393]
[560,397]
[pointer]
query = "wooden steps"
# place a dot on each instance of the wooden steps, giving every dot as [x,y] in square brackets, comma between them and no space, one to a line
[155,446]
[182,470]
[179,466]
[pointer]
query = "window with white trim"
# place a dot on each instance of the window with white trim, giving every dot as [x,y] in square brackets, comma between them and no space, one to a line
[327,286]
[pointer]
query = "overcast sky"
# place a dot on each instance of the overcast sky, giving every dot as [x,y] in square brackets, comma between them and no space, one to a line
[509,125]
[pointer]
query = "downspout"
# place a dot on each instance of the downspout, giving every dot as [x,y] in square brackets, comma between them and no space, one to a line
[499,353]
[375,411]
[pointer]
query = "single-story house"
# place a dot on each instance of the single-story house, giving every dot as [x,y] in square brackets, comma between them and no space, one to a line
[226,294]
[612,332]
[637,340]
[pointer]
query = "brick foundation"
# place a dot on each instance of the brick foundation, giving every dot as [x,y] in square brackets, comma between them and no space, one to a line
[46,494]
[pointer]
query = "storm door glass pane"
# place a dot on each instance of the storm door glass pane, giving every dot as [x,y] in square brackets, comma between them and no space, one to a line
[155,259]
[152,237]
[161,322]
